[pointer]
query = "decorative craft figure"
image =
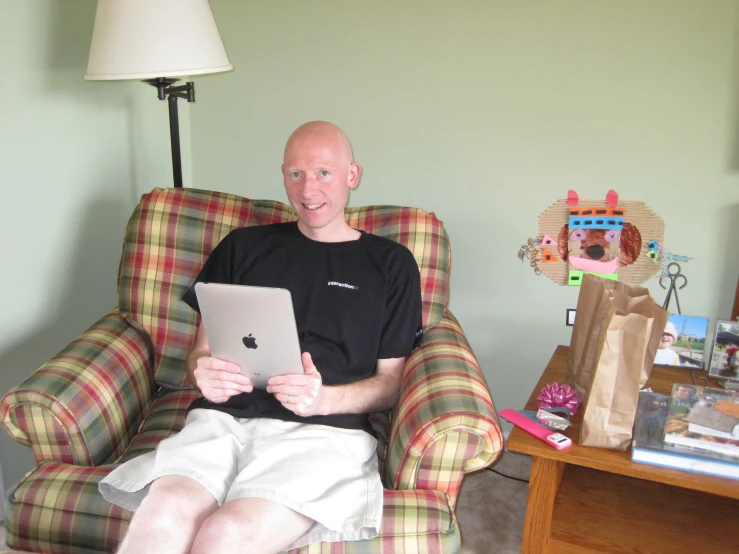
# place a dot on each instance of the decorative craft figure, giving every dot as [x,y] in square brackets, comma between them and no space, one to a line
[607,238]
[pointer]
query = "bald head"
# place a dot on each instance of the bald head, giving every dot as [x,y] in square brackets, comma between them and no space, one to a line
[318,172]
[320,133]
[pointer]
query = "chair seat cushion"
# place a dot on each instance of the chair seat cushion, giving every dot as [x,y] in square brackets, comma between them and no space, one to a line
[85,522]
[79,521]
[167,416]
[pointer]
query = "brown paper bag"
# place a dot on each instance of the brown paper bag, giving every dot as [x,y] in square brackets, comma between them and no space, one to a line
[594,311]
[612,354]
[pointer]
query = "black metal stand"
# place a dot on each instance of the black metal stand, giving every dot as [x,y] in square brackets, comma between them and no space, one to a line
[165,90]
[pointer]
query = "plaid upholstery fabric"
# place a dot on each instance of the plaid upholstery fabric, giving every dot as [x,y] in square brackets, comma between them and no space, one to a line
[423,234]
[441,375]
[443,391]
[68,494]
[168,238]
[167,416]
[268,212]
[57,508]
[84,405]
[413,521]
[93,403]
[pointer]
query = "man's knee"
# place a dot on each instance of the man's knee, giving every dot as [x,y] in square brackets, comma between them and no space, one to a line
[178,497]
[228,526]
[169,516]
[256,525]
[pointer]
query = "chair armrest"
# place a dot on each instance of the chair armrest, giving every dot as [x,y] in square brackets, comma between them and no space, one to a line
[445,424]
[84,405]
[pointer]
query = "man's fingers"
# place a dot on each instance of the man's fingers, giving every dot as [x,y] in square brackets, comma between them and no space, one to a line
[289,380]
[221,375]
[308,365]
[286,390]
[225,377]
[218,364]
[213,384]
[295,402]
[298,393]
[223,389]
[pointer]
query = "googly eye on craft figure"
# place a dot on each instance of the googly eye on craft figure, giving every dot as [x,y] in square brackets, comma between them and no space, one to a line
[578,234]
[613,236]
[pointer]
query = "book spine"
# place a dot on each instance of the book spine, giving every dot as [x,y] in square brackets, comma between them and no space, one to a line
[706,469]
[685,450]
[712,447]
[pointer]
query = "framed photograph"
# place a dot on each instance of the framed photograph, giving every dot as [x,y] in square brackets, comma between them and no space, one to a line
[683,342]
[725,354]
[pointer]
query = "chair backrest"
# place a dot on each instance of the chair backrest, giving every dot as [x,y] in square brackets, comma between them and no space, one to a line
[172,232]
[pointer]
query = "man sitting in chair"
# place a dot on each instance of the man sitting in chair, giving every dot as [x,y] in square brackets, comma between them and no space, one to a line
[265,470]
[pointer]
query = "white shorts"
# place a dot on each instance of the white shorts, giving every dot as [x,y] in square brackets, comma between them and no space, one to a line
[325,473]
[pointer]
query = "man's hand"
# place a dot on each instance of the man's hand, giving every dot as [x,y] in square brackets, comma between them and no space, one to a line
[303,394]
[219,380]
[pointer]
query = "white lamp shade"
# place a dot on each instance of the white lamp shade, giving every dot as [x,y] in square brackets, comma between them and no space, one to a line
[145,39]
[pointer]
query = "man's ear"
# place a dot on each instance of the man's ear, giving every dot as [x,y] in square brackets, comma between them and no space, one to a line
[355,172]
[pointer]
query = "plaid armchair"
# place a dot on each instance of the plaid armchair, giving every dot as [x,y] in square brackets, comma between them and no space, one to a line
[118,389]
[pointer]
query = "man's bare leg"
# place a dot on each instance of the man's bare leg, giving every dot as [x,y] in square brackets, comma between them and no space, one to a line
[250,525]
[169,517]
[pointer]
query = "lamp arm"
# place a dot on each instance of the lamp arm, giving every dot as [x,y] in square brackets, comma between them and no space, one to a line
[165,90]
[186,91]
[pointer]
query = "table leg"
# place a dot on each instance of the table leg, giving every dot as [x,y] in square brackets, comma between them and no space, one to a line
[543,485]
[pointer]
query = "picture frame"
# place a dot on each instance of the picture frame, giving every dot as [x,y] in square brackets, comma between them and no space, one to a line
[724,363]
[683,342]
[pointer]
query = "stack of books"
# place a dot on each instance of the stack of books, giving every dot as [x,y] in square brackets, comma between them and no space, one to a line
[695,428]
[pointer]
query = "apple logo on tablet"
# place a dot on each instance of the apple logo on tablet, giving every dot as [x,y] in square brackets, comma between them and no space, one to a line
[250,342]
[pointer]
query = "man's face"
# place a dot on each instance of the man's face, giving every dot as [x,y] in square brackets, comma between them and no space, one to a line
[318,173]
[684,393]
[666,341]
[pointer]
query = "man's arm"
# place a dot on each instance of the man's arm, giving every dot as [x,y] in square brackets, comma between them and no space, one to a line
[305,395]
[217,380]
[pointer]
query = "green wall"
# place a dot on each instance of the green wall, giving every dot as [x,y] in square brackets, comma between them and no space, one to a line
[486,112]
[75,156]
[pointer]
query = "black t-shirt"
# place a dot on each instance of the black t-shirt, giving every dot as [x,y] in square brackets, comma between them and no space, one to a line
[355,302]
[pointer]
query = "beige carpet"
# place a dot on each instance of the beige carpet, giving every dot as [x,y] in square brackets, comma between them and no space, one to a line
[490,508]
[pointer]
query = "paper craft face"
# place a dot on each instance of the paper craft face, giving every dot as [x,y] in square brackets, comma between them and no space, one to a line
[597,240]
[610,238]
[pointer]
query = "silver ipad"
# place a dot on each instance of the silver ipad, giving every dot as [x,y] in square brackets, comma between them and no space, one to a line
[253,327]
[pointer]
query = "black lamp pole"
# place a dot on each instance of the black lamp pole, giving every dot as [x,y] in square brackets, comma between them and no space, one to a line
[165,90]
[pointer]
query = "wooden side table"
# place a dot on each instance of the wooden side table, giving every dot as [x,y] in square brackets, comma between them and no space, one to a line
[585,499]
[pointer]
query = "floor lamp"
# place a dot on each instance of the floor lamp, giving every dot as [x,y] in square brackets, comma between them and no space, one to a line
[156,41]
